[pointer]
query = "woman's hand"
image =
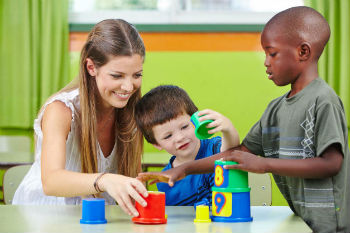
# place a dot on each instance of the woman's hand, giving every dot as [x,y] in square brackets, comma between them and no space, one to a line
[169,176]
[124,189]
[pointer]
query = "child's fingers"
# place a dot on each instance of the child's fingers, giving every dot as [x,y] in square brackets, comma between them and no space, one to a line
[207,114]
[145,176]
[236,166]
[233,156]
[154,181]
[215,125]
[204,112]
[171,182]
[142,177]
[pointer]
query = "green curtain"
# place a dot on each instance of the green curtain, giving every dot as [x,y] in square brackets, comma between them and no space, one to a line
[34,57]
[334,64]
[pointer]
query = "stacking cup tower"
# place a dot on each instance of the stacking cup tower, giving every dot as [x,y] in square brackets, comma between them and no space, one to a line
[231,194]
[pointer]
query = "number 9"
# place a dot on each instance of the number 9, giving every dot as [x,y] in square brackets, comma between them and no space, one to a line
[220,202]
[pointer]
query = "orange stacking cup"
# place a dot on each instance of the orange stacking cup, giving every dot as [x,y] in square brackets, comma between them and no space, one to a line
[154,212]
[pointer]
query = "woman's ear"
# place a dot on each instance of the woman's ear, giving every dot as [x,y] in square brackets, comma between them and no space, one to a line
[304,51]
[90,66]
[157,146]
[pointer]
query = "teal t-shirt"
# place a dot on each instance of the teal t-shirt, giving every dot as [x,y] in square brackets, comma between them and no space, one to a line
[302,127]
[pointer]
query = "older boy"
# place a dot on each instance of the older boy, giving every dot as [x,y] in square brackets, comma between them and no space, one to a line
[163,115]
[302,135]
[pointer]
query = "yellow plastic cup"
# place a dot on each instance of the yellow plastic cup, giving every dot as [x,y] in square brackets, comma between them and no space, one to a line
[202,214]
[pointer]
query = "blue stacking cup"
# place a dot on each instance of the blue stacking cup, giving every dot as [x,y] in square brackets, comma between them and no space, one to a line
[231,207]
[93,211]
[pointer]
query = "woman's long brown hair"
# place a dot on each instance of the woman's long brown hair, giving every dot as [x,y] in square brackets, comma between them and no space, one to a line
[109,38]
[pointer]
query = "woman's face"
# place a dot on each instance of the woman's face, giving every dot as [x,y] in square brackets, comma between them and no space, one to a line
[118,79]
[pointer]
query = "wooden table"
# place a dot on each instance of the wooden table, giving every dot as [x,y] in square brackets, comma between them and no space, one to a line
[62,219]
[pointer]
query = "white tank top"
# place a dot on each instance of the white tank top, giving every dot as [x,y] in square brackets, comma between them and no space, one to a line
[30,190]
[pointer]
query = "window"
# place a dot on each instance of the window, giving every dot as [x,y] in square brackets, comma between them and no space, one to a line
[178,11]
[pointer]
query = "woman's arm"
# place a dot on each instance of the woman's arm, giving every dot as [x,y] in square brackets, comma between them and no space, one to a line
[55,179]
[59,182]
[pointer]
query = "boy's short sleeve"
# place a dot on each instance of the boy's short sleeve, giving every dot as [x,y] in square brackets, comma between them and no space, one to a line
[253,140]
[330,126]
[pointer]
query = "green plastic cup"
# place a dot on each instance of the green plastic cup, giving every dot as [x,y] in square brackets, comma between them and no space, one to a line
[229,180]
[201,129]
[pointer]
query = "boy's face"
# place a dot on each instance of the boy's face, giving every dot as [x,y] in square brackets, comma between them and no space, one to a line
[177,137]
[282,60]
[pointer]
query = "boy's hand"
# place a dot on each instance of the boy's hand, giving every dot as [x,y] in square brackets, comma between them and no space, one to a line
[170,176]
[246,162]
[155,177]
[220,123]
[230,137]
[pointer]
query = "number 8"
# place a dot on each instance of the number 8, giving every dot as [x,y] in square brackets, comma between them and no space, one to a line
[219,178]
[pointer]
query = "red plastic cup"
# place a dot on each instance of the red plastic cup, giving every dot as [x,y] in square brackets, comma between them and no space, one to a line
[154,212]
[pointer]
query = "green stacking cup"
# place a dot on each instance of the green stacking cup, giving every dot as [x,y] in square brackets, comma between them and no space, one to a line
[201,129]
[229,180]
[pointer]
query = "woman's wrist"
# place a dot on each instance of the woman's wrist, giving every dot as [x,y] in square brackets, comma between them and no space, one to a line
[98,184]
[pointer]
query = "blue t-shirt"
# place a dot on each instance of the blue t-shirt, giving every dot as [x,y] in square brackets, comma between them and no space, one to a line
[193,188]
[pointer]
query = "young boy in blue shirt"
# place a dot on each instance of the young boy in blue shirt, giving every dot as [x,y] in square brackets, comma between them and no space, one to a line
[163,115]
[302,137]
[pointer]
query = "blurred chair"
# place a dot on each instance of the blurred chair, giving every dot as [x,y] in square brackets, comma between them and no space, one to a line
[12,178]
[260,193]
[15,150]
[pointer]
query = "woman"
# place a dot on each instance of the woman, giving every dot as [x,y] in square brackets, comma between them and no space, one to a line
[87,141]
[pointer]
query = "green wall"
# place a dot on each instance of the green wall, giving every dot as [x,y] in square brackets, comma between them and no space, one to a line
[232,83]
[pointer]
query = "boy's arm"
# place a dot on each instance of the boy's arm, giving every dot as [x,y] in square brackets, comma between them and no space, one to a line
[326,165]
[200,166]
[230,137]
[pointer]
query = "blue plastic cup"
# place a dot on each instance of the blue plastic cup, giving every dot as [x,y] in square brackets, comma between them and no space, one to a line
[231,207]
[93,211]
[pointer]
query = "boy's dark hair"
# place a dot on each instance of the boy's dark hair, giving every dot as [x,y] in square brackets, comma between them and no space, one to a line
[302,23]
[160,105]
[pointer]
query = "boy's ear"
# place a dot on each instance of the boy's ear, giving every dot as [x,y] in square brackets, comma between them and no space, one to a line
[157,146]
[90,66]
[304,51]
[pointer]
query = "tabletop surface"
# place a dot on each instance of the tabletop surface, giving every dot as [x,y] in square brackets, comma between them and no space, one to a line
[180,219]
